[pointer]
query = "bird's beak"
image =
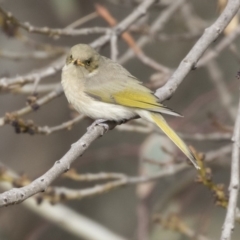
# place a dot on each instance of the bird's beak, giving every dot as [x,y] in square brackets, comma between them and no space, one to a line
[77,62]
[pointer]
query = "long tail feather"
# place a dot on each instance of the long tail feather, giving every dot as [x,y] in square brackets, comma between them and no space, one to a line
[162,124]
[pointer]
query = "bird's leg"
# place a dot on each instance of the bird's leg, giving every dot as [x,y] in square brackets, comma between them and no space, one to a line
[100,122]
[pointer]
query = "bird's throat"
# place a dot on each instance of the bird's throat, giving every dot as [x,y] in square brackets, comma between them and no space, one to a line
[93,73]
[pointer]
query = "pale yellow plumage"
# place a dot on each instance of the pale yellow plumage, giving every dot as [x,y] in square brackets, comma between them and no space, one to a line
[103,89]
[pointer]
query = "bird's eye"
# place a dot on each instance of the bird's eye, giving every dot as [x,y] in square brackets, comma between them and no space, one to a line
[69,59]
[88,62]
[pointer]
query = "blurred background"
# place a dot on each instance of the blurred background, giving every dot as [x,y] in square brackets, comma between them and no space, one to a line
[207,98]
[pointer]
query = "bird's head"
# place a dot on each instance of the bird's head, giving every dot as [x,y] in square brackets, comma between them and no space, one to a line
[83,56]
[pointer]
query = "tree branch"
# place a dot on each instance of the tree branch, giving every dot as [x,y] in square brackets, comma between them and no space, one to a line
[190,61]
[47,71]
[58,64]
[17,195]
[76,223]
[157,26]
[126,23]
[52,31]
[229,222]
[43,100]
[77,149]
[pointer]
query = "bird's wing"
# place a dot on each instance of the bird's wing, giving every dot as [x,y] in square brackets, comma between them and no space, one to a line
[117,86]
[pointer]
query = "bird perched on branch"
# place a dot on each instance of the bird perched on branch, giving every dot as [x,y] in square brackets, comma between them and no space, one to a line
[104,90]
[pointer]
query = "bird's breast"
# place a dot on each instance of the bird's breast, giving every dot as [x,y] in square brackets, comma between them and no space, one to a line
[73,87]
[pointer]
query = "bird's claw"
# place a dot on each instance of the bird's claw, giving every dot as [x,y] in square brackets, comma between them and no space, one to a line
[122,121]
[99,122]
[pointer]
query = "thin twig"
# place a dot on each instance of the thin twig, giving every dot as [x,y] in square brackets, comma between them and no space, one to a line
[62,193]
[148,128]
[29,55]
[66,125]
[114,48]
[215,136]
[42,88]
[47,71]
[45,99]
[89,177]
[140,11]
[156,26]
[225,95]
[178,37]
[131,42]
[56,194]
[82,20]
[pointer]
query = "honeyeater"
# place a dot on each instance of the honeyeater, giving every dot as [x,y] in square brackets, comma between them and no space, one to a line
[103,89]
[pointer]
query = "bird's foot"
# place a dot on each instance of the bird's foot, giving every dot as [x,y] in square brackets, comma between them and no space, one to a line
[99,122]
[122,121]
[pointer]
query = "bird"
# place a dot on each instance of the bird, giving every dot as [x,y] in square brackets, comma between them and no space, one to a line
[104,90]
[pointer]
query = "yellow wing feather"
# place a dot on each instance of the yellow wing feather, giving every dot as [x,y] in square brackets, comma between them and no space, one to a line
[162,124]
[138,97]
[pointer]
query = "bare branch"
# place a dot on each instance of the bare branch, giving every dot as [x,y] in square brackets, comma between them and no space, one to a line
[190,61]
[17,195]
[89,177]
[42,88]
[47,71]
[66,125]
[114,48]
[53,31]
[178,37]
[225,95]
[224,43]
[125,24]
[61,193]
[77,149]
[58,194]
[58,64]
[157,26]
[148,128]
[76,223]
[83,20]
[48,97]
[131,42]
[229,222]
[215,136]
[29,55]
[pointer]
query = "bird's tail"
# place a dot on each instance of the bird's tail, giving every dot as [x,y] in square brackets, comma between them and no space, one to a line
[162,124]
